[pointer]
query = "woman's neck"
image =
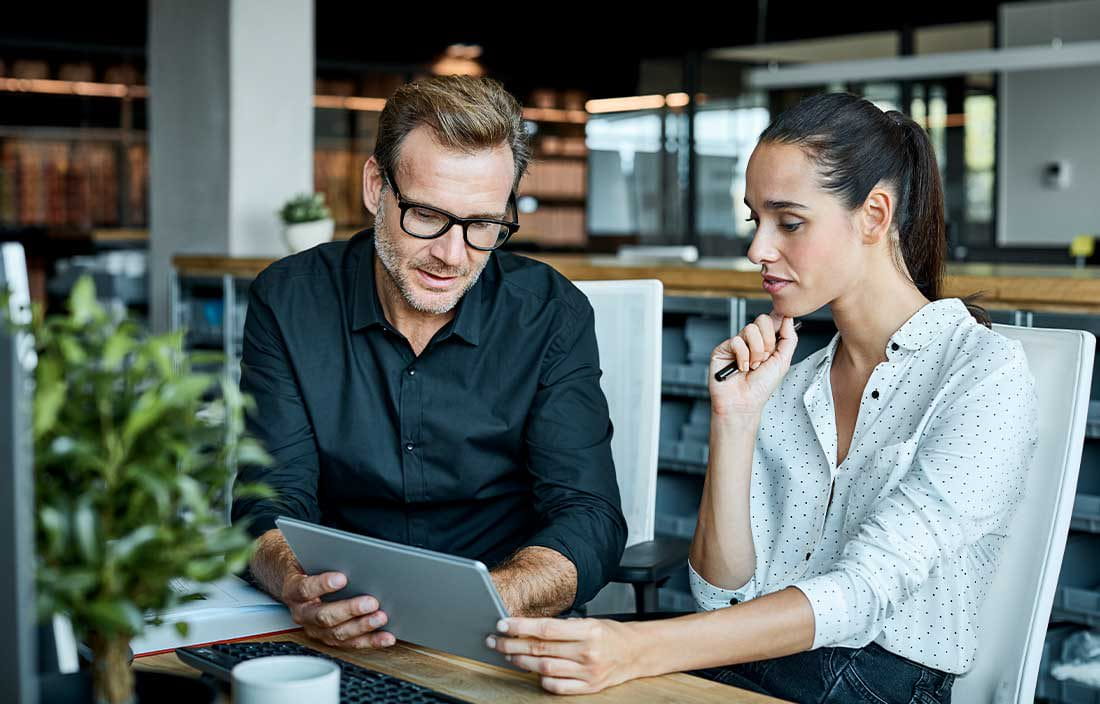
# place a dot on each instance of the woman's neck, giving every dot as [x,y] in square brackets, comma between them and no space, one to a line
[870,314]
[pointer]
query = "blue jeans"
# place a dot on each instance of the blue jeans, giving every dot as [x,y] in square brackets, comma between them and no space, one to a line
[870,675]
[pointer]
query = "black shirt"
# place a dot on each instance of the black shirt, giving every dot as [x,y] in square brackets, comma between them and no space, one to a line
[495,438]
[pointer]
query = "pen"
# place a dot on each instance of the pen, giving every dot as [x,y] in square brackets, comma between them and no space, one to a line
[731,368]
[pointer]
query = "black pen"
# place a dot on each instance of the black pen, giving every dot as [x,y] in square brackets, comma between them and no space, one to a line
[731,368]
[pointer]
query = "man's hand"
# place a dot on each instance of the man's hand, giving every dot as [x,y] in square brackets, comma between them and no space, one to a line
[349,623]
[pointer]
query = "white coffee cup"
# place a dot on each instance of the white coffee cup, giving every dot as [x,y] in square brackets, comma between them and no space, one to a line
[286,679]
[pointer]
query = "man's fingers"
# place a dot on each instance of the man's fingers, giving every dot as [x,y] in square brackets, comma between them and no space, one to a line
[360,626]
[315,586]
[331,614]
[379,639]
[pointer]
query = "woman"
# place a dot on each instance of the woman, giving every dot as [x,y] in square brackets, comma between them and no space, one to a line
[855,504]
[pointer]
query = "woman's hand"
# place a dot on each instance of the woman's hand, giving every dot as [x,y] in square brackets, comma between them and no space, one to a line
[571,656]
[763,351]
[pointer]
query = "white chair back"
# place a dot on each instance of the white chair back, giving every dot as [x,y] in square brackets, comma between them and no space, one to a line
[1013,620]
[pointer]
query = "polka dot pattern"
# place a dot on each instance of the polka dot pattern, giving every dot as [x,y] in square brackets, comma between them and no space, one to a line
[921,504]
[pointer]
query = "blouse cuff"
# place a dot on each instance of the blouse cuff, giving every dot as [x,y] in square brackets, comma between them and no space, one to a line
[709,597]
[828,599]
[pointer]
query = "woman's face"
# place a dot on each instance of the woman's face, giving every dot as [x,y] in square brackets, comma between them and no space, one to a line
[805,242]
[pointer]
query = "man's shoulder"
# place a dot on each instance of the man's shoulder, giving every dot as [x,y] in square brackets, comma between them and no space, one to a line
[327,261]
[538,282]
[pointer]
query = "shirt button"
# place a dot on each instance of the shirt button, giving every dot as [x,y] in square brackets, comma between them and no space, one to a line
[874,394]
[409,446]
[894,347]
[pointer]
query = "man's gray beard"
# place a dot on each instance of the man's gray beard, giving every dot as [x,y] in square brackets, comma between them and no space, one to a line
[391,261]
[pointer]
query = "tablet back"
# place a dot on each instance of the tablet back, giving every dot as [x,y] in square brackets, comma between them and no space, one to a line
[433,599]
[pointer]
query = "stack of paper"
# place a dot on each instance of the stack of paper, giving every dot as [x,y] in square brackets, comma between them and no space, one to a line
[231,609]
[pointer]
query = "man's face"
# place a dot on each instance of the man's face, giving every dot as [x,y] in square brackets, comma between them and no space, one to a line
[433,275]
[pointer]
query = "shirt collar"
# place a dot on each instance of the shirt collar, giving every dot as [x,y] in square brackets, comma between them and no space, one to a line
[922,328]
[367,309]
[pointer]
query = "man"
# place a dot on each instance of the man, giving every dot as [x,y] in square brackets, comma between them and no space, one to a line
[415,385]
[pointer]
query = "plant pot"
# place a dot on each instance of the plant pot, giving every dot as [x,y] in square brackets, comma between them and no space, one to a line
[152,688]
[301,236]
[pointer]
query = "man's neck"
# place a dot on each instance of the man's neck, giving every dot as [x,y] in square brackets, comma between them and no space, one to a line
[417,327]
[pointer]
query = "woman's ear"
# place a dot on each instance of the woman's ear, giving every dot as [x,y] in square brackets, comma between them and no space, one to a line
[876,216]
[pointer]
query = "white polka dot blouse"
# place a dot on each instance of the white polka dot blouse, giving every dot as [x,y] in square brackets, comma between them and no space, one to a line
[921,504]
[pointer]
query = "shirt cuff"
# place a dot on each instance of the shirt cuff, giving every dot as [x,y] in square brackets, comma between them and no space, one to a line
[708,597]
[828,599]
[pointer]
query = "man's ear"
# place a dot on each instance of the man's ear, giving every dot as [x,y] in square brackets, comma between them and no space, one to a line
[372,186]
[876,215]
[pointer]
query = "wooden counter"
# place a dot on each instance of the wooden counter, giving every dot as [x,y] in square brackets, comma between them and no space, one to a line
[1015,286]
[474,681]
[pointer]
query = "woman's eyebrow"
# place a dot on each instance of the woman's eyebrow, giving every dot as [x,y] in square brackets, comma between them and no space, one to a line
[779,205]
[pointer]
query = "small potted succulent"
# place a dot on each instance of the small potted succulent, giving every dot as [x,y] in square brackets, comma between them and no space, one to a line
[135,451]
[307,221]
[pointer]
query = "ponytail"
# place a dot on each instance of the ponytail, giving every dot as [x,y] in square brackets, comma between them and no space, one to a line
[857,146]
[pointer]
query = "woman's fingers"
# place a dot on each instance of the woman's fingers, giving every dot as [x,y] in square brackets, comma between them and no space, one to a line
[572,650]
[752,337]
[550,667]
[546,628]
[741,353]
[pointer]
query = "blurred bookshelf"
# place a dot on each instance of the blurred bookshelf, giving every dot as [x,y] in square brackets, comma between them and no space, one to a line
[90,174]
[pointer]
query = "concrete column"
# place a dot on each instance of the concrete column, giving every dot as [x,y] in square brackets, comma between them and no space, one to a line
[230,128]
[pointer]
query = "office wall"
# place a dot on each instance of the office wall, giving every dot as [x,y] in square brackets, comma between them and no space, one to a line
[1048,116]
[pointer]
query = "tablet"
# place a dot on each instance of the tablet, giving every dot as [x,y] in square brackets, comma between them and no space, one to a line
[433,599]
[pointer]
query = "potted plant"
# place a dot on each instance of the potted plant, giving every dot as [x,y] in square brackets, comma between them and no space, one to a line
[134,461]
[307,221]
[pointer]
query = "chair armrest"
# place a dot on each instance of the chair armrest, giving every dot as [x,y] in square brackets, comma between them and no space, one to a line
[652,561]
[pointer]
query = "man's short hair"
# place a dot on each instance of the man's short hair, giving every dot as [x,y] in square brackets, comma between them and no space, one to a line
[464,113]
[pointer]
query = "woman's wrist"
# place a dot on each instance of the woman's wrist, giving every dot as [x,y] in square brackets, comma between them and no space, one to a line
[649,646]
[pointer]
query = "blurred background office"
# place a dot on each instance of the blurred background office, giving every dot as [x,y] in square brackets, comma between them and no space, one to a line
[156,144]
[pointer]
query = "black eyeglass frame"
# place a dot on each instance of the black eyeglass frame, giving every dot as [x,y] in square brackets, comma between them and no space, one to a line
[404,205]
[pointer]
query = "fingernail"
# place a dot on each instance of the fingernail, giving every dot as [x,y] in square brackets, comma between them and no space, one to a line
[755,365]
[491,642]
[508,658]
[334,581]
[374,621]
[366,606]
[391,640]
[502,625]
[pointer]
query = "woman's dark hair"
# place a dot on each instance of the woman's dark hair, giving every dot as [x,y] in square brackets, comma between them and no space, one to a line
[856,146]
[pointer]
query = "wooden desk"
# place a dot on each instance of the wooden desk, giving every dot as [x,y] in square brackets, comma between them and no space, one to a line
[1005,286]
[477,682]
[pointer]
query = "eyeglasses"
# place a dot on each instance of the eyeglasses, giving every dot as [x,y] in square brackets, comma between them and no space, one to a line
[426,222]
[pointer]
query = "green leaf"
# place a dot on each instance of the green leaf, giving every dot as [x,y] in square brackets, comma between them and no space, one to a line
[55,525]
[147,411]
[116,349]
[116,616]
[48,401]
[82,302]
[125,546]
[87,534]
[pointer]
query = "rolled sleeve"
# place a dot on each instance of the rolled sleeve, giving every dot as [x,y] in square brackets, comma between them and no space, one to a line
[964,483]
[279,420]
[709,597]
[568,442]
